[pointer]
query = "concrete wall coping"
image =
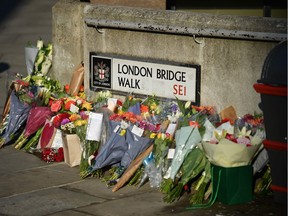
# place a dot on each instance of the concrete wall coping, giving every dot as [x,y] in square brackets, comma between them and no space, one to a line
[186,19]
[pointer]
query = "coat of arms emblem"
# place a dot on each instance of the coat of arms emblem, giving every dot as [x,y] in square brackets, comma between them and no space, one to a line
[101,72]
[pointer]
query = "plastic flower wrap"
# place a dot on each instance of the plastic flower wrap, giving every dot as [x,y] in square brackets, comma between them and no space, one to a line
[36,119]
[131,103]
[150,108]
[161,145]
[112,151]
[137,143]
[101,99]
[225,149]
[132,169]
[27,93]
[192,166]
[45,82]
[43,60]
[18,115]
[173,112]
[186,139]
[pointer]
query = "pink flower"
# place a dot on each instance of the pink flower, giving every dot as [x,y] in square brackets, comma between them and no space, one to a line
[213,140]
[56,105]
[243,140]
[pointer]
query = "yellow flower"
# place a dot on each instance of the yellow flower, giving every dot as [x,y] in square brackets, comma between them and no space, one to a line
[159,135]
[152,135]
[80,122]
[82,95]
[87,105]
[122,132]
[153,106]
[120,112]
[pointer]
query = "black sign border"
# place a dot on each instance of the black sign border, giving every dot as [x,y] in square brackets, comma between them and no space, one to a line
[111,56]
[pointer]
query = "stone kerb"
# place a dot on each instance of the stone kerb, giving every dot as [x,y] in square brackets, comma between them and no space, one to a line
[229,65]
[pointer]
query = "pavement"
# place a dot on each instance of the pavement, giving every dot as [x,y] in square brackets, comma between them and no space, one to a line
[21,22]
[29,186]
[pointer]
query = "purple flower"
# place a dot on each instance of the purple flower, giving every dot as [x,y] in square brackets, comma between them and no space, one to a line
[83,115]
[174,108]
[65,121]
[152,128]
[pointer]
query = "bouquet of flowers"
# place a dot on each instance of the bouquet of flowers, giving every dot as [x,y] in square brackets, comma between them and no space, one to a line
[36,119]
[228,150]
[43,59]
[18,115]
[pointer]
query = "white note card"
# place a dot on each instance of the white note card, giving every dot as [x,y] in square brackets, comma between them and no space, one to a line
[94,126]
[137,131]
[171,128]
[171,153]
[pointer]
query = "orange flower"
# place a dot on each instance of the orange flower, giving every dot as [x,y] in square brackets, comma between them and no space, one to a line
[204,109]
[81,89]
[144,108]
[74,117]
[194,124]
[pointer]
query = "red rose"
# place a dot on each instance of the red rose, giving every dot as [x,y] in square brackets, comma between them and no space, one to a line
[66,87]
[60,155]
[48,155]
[68,104]
[59,118]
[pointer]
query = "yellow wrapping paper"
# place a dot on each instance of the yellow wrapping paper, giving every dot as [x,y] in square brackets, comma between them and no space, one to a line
[230,154]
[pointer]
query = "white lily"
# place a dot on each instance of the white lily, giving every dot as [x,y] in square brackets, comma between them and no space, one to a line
[187,104]
[46,65]
[40,44]
[244,132]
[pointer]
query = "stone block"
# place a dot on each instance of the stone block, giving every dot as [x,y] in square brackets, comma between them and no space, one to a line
[156,4]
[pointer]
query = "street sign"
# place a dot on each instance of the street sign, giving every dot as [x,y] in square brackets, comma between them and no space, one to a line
[168,80]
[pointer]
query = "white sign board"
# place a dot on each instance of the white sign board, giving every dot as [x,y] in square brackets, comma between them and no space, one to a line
[146,78]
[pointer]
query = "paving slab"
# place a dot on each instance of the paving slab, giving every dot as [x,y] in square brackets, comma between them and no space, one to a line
[43,202]
[13,161]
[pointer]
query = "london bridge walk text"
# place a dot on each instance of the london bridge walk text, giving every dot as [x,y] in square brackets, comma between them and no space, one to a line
[130,76]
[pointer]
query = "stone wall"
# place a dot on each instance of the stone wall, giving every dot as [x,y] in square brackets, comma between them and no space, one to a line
[230,65]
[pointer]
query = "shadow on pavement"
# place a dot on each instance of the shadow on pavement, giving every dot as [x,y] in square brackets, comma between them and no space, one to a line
[4,67]
[7,6]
